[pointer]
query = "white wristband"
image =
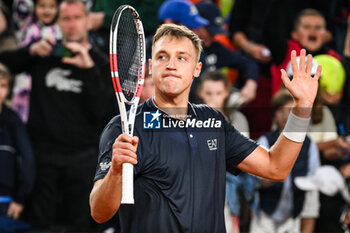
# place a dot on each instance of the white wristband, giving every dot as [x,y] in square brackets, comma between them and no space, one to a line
[296,128]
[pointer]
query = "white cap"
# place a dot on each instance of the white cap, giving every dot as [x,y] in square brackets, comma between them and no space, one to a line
[327,179]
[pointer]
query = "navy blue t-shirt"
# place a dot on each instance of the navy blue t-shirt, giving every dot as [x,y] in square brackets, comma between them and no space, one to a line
[179,181]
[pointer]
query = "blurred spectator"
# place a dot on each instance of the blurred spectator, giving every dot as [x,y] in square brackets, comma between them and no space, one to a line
[71,100]
[217,20]
[7,39]
[215,55]
[43,26]
[281,203]
[100,19]
[178,12]
[44,23]
[148,12]
[22,14]
[245,25]
[214,90]
[309,32]
[17,169]
[334,192]
[323,130]
[341,111]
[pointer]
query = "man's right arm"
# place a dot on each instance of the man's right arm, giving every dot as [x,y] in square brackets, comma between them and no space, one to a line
[105,196]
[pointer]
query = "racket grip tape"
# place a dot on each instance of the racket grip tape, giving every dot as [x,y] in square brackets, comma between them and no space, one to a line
[128,184]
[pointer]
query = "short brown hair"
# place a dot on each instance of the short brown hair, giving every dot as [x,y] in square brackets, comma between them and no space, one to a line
[61,2]
[5,73]
[178,31]
[214,75]
[281,98]
[307,12]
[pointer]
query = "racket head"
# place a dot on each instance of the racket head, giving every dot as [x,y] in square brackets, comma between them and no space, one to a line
[127,54]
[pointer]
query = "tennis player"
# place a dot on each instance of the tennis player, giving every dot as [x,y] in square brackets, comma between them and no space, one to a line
[181,151]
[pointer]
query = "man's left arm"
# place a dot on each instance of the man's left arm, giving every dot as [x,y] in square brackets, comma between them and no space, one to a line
[277,163]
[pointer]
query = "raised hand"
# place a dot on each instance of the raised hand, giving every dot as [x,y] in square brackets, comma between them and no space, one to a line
[303,86]
[42,47]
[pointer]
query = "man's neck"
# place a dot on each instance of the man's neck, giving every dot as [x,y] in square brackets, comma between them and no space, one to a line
[174,106]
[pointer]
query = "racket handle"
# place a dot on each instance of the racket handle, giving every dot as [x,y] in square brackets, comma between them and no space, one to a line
[128,184]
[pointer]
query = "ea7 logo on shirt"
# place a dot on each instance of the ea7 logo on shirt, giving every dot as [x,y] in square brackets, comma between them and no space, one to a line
[212,144]
[151,120]
[105,165]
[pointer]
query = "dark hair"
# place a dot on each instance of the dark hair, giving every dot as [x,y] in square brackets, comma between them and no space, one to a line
[178,31]
[58,2]
[281,98]
[216,76]
[307,12]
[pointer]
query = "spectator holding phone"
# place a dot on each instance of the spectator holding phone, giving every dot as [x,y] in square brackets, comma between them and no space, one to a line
[69,104]
[43,26]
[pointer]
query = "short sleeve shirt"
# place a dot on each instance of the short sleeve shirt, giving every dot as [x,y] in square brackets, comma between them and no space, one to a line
[179,181]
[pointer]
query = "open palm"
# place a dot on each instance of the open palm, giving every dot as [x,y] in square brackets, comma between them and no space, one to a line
[303,86]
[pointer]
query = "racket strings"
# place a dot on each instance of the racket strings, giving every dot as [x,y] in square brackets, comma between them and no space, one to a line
[128,54]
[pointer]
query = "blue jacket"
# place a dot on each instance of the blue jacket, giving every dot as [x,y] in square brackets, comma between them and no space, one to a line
[16,157]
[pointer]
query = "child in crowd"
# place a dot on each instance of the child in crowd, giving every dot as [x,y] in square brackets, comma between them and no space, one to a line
[214,90]
[44,23]
[43,26]
[282,206]
[309,32]
[16,162]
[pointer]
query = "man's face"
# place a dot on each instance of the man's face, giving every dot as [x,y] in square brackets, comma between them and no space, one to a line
[174,64]
[214,93]
[310,32]
[73,22]
[4,89]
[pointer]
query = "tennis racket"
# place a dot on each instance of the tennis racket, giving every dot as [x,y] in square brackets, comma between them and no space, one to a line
[127,61]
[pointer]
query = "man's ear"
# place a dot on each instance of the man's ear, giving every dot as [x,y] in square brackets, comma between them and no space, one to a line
[197,70]
[150,66]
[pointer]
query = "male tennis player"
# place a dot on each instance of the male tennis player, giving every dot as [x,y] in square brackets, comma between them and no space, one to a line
[180,163]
